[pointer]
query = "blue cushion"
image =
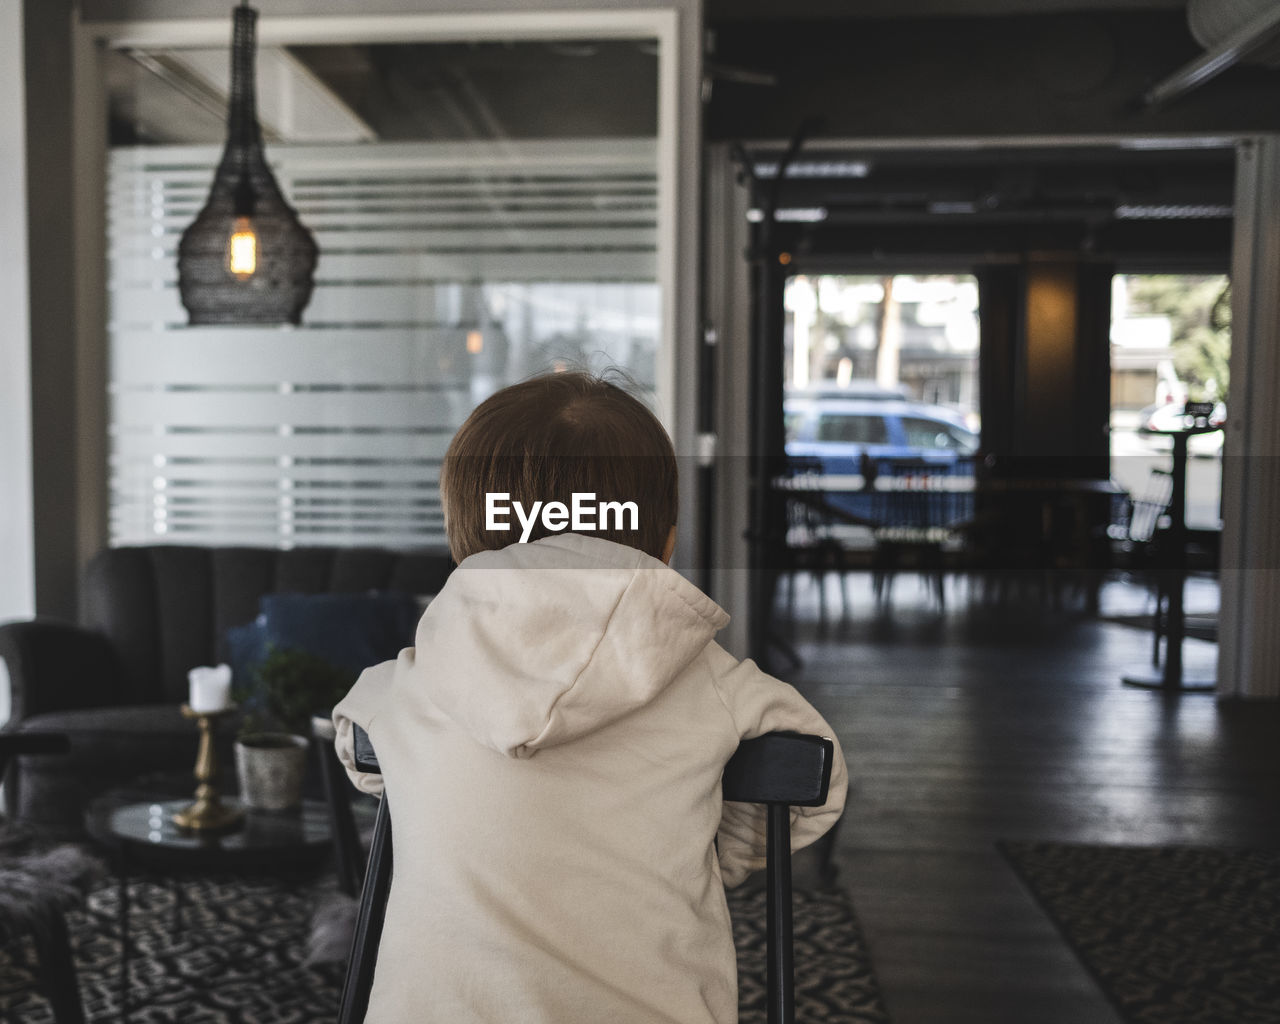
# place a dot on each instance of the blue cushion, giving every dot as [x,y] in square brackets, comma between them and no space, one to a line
[246,647]
[352,631]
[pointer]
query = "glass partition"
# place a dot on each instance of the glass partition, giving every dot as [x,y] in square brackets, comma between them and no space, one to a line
[483,211]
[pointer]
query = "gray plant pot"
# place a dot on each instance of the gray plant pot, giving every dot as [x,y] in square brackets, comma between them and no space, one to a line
[270,767]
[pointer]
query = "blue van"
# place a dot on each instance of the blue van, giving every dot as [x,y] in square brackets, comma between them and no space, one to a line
[842,435]
[837,427]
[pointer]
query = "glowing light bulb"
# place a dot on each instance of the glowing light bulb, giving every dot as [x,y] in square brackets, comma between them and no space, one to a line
[242,249]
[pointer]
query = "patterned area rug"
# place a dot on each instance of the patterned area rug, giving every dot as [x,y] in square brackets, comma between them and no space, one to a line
[834,978]
[235,953]
[1174,935]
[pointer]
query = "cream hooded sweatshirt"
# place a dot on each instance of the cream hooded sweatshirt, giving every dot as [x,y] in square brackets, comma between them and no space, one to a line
[552,751]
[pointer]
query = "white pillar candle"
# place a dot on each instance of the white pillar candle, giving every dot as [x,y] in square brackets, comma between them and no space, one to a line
[210,688]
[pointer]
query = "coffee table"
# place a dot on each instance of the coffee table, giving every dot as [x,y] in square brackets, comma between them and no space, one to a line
[142,837]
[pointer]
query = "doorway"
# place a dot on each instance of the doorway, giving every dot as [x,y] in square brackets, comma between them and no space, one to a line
[1042,229]
[1170,344]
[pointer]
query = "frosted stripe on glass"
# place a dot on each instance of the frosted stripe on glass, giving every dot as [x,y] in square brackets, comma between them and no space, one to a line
[446,271]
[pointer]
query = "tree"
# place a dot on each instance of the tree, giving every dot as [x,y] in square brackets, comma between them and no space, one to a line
[1201,332]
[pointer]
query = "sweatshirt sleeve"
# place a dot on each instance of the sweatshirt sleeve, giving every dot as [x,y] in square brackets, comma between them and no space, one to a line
[759,703]
[359,707]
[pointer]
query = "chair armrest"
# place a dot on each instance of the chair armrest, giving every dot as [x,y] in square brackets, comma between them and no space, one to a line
[780,768]
[366,758]
[57,666]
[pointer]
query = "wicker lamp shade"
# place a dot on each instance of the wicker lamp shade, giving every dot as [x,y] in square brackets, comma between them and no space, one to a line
[246,258]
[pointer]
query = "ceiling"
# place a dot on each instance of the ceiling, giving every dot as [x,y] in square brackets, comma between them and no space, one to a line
[927,74]
[881,67]
[772,10]
[394,92]
[1114,202]
[494,90]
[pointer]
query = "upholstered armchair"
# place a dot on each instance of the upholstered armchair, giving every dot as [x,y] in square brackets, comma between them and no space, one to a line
[114,681]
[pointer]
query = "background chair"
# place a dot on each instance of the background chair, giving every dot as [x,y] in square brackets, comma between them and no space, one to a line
[1144,514]
[914,513]
[1140,550]
[38,886]
[811,545]
[347,853]
[780,770]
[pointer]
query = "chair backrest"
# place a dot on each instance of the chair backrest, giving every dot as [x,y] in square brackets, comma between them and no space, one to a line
[1147,508]
[167,607]
[809,520]
[780,770]
[337,792]
[915,502]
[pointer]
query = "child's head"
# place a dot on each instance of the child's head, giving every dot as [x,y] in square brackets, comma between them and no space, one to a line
[544,440]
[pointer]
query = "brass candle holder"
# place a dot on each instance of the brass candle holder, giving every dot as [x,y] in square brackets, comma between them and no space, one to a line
[208,813]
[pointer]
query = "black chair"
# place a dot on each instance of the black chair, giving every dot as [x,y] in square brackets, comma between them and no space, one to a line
[342,822]
[811,545]
[1142,544]
[1147,510]
[42,915]
[914,512]
[780,770]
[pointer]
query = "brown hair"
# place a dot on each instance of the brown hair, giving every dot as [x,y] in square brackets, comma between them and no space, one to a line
[545,439]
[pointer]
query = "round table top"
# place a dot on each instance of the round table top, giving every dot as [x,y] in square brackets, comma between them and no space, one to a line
[145,832]
[1182,431]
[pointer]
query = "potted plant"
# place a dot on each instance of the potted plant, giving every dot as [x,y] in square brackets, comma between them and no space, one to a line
[271,748]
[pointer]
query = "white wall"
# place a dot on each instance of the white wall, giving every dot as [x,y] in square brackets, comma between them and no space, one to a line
[17,564]
[728,311]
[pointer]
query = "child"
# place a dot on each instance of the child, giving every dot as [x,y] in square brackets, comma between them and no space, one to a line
[553,745]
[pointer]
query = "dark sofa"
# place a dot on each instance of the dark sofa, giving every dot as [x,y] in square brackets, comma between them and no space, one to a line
[115,681]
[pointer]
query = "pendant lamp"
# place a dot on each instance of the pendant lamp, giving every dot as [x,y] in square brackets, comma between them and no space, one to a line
[246,258]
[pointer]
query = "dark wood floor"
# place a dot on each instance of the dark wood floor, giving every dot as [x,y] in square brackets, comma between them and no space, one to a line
[1011,723]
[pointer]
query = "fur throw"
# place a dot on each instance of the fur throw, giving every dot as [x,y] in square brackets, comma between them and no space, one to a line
[333,924]
[36,886]
[333,921]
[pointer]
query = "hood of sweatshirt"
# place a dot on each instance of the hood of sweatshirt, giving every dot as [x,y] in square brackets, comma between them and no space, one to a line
[538,644]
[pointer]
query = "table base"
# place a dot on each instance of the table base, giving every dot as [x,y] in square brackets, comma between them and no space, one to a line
[1152,678]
